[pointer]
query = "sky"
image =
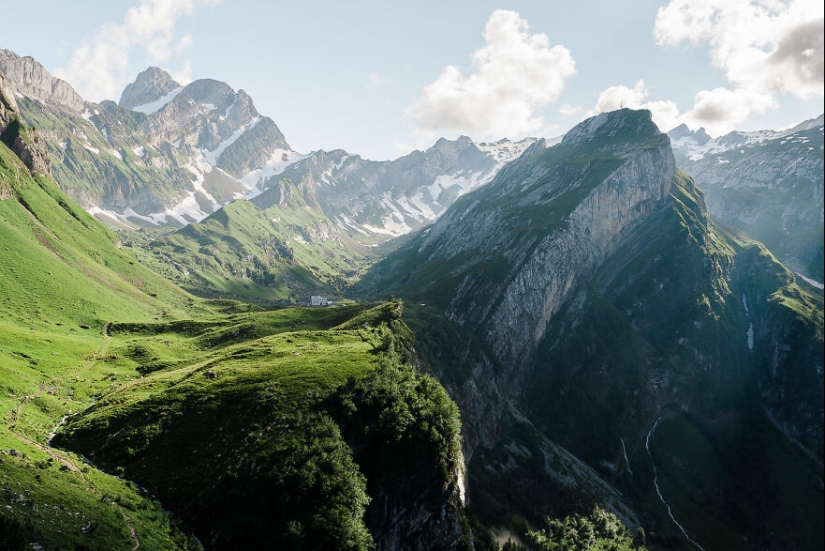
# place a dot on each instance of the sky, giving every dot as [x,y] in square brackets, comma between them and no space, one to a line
[380,79]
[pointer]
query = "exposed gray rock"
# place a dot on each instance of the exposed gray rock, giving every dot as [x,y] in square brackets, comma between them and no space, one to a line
[26,143]
[28,77]
[150,85]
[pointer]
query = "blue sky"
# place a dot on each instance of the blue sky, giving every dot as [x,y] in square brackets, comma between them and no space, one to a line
[382,78]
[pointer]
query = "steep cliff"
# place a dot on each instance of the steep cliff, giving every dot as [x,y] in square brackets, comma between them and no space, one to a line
[583,309]
[503,260]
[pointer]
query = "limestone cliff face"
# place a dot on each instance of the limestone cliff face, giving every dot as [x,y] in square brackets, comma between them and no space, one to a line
[584,296]
[8,107]
[519,247]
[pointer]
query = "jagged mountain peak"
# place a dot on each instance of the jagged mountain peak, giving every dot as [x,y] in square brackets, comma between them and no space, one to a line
[150,85]
[682,131]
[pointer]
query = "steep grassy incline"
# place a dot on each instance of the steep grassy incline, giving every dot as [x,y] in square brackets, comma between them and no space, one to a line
[62,278]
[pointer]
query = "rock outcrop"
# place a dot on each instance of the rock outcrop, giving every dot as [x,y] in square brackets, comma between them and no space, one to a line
[30,78]
[586,297]
[517,248]
[26,143]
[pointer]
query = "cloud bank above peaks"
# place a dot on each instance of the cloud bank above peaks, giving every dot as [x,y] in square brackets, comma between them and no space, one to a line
[766,48]
[100,67]
[514,75]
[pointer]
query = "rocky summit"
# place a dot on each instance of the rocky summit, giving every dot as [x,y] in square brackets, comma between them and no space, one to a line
[149,86]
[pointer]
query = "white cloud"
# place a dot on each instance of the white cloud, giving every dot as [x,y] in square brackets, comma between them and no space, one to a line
[514,75]
[766,48]
[568,110]
[184,42]
[374,80]
[664,113]
[183,76]
[98,68]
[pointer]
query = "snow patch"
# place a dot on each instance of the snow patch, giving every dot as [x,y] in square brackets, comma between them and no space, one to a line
[810,281]
[116,153]
[139,151]
[277,163]
[155,106]
[95,211]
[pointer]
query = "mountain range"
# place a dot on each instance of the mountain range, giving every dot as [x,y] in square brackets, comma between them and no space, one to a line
[555,342]
[768,183]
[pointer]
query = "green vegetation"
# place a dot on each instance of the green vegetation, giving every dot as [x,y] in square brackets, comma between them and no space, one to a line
[598,531]
[276,387]
[251,426]
[61,278]
[257,251]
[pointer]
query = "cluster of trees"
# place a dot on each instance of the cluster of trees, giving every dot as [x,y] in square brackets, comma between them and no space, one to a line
[600,530]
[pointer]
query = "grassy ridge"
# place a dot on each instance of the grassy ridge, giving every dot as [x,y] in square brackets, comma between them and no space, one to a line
[245,422]
[252,404]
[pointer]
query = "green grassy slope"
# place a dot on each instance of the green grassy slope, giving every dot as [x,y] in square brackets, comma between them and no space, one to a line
[62,278]
[284,250]
[252,427]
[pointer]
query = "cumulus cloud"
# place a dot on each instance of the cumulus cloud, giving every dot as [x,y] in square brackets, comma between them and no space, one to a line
[98,68]
[766,48]
[514,75]
[664,113]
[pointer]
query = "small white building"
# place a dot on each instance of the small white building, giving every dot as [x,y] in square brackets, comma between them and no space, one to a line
[317,300]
